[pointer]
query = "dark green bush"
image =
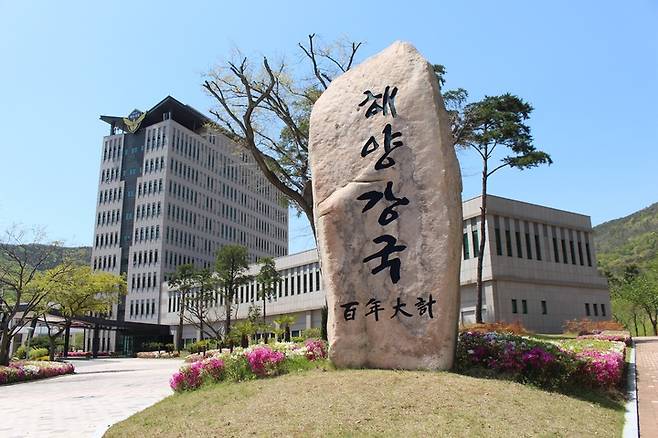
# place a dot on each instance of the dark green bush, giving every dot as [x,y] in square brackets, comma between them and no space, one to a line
[199,347]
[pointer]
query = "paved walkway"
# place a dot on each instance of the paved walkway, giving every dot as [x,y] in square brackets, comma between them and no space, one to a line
[647,384]
[101,393]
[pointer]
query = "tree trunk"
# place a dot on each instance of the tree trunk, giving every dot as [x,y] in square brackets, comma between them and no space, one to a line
[227,324]
[287,334]
[4,348]
[51,347]
[637,333]
[67,335]
[483,230]
[179,333]
[266,335]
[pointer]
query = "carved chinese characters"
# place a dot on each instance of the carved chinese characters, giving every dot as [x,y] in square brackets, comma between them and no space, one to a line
[386,186]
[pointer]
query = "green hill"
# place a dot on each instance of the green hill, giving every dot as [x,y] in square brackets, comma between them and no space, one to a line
[57,254]
[629,240]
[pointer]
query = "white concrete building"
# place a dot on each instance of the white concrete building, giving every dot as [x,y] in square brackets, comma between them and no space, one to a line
[539,269]
[173,191]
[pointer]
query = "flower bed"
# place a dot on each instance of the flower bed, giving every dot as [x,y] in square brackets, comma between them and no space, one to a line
[244,364]
[593,363]
[157,354]
[85,354]
[618,336]
[20,371]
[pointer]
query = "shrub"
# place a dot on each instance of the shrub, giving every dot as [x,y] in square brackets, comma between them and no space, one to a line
[199,346]
[169,347]
[157,354]
[25,370]
[213,368]
[38,353]
[85,354]
[237,368]
[499,327]
[592,363]
[312,333]
[624,337]
[588,327]
[189,377]
[315,349]
[264,361]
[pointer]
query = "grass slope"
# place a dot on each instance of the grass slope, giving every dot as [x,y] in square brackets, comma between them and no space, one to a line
[374,403]
[629,240]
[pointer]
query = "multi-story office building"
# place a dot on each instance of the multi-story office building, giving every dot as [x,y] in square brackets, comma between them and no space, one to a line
[539,269]
[172,191]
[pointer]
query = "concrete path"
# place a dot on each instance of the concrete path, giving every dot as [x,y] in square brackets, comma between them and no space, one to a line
[101,393]
[647,384]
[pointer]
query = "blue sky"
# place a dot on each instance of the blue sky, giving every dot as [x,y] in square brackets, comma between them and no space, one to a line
[590,69]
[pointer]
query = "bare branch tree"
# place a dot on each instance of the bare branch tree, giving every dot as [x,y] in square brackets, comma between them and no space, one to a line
[266,111]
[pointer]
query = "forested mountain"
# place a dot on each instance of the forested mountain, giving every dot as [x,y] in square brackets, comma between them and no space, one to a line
[80,254]
[629,240]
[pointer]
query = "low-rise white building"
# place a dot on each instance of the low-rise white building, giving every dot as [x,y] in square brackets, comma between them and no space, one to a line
[539,269]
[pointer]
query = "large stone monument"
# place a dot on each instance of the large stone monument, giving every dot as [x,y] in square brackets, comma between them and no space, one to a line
[387,192]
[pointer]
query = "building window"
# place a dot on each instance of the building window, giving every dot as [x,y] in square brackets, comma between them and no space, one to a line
[602,309]
[524,306]
[544,309]
[556,253]
[537,248]
[467,254]
[508,242]
[564,252]
[519,248]
[514,307]
[587,313]
[596,309]
[499,247]
[476,243]
[589,255]
[528,246]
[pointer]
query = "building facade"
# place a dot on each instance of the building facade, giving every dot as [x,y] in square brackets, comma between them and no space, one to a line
[539,269]
[173,191]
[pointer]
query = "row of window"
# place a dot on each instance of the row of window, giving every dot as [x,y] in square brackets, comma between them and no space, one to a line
[293,282]
[153,138]
[144,280]
[147,233]
[112,149]
[568,245]
[148,210]
[530,240]
[111,174]
[149,187]
[154,165]
[595,307]
[142,308]
[524,306]
[109,195]
[108,217]
[106,239]
[108,262]
[145,257]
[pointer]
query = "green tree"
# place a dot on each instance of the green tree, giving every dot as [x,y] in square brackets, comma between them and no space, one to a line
[268,278]
[496,129]
[231,267]
[285,321]
[641,289]
[75,293]
[20,295]
[183,280]
[200,302]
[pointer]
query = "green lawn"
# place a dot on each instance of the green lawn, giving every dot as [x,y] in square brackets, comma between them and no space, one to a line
[375,403]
